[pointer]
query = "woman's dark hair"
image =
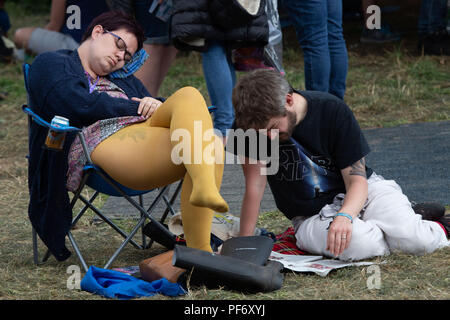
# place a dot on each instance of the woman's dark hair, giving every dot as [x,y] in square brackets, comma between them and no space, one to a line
[114,20]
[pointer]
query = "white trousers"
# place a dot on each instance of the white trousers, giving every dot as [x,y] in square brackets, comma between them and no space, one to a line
[387,223]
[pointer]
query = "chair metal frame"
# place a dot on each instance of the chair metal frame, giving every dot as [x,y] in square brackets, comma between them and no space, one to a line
[101,182]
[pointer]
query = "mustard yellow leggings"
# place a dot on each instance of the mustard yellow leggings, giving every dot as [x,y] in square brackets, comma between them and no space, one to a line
[140,157]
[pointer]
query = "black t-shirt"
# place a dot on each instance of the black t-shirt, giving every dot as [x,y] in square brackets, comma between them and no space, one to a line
[327,140]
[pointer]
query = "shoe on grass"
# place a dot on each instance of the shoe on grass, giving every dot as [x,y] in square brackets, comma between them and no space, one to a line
[429,210]
[163,238]
[436,43]
[6,54]
[433,212]
[444,221]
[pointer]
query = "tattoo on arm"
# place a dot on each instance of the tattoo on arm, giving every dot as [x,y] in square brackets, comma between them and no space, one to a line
[358,168]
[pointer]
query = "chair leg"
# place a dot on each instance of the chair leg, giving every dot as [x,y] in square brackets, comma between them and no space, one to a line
[36,251]
[144,215]
[84,209]
[144,241]
[128,239]
[77,251]
[109,222]
[47,254]
[135,204]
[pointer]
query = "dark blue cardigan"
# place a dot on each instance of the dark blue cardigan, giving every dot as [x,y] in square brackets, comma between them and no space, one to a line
[59,86]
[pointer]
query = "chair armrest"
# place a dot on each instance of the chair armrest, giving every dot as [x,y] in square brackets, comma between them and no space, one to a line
[44,123]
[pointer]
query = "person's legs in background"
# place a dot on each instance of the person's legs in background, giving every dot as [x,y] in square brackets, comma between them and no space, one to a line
[39,40]
[22,35]
[5,23]
[220,78]
[310,21]
[155,69]
[432,16]
[162,53]
[338,49]
[433,35]
[6,53]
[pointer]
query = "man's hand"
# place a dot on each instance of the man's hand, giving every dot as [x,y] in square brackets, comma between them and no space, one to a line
[340,231]
[339,235]
[147,106]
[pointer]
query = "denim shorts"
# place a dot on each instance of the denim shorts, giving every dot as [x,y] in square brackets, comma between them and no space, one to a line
[155,30]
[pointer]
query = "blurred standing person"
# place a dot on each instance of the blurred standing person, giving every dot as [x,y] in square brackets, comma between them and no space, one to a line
[68,21]
[318,24]
[432,27]
[214,28]
[5,24]
[154,17]
[5,52]
[220,78]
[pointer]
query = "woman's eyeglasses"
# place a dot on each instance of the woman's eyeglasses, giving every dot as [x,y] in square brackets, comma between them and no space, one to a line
[121,45]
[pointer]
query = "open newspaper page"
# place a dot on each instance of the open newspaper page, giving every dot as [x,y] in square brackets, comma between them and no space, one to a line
[316,264]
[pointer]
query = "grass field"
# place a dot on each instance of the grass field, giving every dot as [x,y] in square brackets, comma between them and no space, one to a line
[387,86]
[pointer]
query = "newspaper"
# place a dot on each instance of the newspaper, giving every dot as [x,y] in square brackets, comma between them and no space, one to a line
[316,264]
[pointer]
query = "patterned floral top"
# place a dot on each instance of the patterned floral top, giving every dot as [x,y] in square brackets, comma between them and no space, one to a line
[96,133]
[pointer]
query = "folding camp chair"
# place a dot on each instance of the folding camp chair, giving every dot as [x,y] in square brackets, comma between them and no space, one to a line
[101,182]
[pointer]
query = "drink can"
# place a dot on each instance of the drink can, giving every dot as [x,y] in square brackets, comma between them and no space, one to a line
[55,139]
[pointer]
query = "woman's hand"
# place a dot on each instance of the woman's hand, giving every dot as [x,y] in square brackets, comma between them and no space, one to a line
[147,106]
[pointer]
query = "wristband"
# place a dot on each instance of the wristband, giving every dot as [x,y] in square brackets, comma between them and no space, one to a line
[343,214]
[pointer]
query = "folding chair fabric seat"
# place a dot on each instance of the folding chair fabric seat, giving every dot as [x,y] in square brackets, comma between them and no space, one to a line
[96,182]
